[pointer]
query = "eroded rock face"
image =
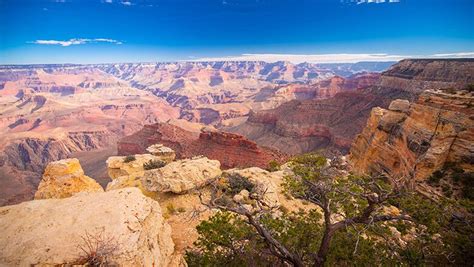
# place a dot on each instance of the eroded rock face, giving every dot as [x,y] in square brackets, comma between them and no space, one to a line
[302,126]
[130,221]
[182,175]
[65,178]
[414,142]
[232,150]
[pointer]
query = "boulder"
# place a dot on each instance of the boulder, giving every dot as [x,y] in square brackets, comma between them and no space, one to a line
[117,165]
[400,105]
[165,153]
[132,180]
[182,175]
[65,178]
[53,231]
[264,181]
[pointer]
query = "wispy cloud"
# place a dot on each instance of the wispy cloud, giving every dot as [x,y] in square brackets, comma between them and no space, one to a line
[331,58]
[317,58]
[358,2]
[456,55]
[75,41]
[126,3]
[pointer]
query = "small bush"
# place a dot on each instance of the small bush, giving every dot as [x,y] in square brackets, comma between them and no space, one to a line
[171,209]
[181,209]
[96,250]
[450,90]
[129,158]
[238,183]
[469,87]
[435,177]
[153,164]
[273,166]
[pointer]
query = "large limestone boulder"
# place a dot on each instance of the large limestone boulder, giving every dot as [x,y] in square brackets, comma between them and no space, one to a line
[65,178]
[182,175]
[52,231]
[400,105]
[166,154]
[264,181]
[119,166]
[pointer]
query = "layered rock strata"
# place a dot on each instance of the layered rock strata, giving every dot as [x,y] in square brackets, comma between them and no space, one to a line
[412,140]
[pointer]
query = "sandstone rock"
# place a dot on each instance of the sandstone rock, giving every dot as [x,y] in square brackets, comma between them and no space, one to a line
[116,165]
[65,178]
[264,182]
[166,154]
[437,130]
[131,180]
[231,150]
[49,231]
[182,175]
[401,105]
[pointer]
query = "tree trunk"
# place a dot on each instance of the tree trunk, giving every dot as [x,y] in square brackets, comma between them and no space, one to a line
[324,247]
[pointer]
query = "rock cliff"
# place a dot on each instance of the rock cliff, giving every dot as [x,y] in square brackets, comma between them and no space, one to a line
[231,150]
[303,126]
[412,140]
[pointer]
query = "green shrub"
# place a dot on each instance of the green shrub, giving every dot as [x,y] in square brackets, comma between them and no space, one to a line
[238,183]
[273,166]
[153,164]
[129,158]
[435,177]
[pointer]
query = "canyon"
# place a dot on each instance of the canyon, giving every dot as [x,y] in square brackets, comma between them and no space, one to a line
[51,112]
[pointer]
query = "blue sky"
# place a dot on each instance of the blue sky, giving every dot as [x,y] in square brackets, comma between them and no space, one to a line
[94,31]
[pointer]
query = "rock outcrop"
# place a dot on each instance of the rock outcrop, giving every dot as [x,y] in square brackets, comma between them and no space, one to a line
[231,150]
[414,140]
[308,125]
[53,231]
[182,175]
[166,154]
[122,166]
[65,178]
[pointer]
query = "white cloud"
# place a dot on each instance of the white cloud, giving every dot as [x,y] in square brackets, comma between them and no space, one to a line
[126,3]
[358,2]
[456,55]
[75,41]
[316,58]
[331,58]
[108,1]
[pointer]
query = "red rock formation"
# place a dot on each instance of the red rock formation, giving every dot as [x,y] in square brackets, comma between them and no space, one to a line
[307,125]
[232,150]
[412,140]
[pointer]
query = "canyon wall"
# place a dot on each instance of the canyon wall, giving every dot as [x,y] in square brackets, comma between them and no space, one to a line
[412,140]
[308,125]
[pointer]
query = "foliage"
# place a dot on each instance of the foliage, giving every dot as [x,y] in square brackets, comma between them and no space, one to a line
[129,158]
[469,87]
[351,223]
[225,239]
[273,166]
[238,183]
[153,164]
[435,177]
[447,220]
